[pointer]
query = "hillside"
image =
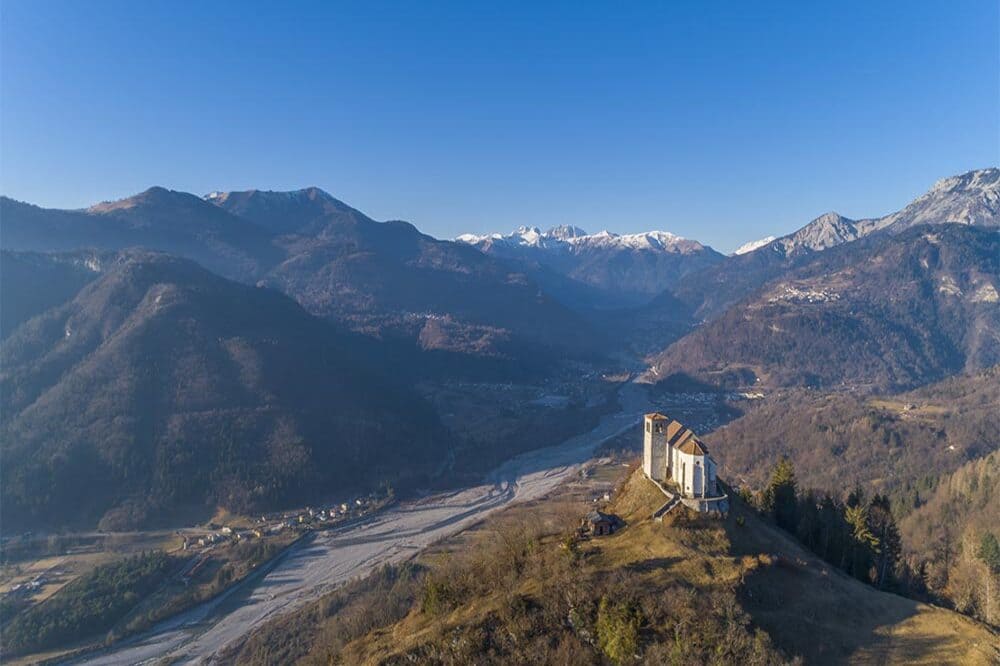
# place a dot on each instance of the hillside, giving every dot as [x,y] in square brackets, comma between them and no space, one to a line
[161,389]
[890,312]
[688,590]
[31,282]
[944,537]
[895,444]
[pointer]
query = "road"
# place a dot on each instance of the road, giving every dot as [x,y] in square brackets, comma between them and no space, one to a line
[316,566]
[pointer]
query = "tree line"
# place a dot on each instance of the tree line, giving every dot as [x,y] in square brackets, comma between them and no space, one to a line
[87,607]
[858,534]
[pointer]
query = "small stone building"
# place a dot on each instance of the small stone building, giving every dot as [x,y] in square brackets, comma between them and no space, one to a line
[598,523]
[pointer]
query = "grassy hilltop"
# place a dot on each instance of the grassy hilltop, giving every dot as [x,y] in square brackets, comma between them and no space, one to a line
[688,590]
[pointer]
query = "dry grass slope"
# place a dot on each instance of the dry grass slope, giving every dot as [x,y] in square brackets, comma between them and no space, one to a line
[707,591]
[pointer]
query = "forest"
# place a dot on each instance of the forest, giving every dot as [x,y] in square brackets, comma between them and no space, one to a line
[860,536]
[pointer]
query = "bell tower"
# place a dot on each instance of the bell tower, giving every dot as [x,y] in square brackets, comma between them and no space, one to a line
[654,446]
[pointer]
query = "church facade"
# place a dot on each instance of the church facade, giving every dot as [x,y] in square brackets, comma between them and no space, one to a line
[673,454]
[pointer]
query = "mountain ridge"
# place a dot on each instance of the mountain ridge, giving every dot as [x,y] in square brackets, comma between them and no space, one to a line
[894,311]
[971,198]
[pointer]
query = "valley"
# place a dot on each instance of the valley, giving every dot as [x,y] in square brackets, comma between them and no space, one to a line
[329,559]
[263,360]
[546,334]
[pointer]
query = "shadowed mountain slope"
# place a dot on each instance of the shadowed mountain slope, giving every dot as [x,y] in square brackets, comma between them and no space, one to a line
[384,279]
[161,385]
[389,280]
[31,282]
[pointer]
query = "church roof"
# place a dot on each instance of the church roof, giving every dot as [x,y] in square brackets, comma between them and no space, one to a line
[693,446]
[676,432]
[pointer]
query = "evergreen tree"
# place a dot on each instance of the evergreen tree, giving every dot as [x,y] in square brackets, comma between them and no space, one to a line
[832,530]
[886,544]
[809,529]
[989,552]
[779,496]
[863,542]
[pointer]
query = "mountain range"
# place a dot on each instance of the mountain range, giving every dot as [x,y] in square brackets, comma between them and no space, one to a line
[972,198]
[244,349]
[624,269]
[385,279]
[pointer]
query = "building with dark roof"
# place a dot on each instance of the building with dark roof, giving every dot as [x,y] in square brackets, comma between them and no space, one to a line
[673,454]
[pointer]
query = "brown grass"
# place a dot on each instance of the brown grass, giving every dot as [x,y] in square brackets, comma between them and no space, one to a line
[807,608]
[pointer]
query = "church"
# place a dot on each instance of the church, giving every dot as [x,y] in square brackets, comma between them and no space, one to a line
[673,455]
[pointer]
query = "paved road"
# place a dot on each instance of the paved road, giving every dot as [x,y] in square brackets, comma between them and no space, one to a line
[318,565]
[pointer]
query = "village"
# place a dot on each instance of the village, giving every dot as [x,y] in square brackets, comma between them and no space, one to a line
[309,518]
[36,566]
[230,549]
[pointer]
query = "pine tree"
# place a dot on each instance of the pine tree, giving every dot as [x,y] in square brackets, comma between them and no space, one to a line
[863,542]
[809,527]
[832,530]
[886,542]
[989,552]
[779,497]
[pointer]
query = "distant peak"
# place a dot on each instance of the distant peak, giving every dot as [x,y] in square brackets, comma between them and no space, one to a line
[311,193]
[155,195]
[753,245]
[829,217]
[977,179]
[571,238]
[565,232]
[314,192]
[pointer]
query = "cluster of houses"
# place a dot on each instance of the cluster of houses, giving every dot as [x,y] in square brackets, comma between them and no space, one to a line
[309,517]
[30,587]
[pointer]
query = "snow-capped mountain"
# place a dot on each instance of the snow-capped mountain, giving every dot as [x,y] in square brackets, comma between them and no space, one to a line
[971,198]
[628,268]
[576,240]
[753,245]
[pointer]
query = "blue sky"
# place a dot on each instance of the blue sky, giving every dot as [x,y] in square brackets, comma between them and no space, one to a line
[721,121]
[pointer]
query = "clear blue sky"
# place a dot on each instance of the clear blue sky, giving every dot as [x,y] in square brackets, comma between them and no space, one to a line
[720,121]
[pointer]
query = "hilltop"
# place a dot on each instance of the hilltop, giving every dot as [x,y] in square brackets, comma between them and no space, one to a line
[690,589]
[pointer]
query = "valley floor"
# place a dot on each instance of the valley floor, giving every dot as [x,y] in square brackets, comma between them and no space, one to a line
[332,558]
